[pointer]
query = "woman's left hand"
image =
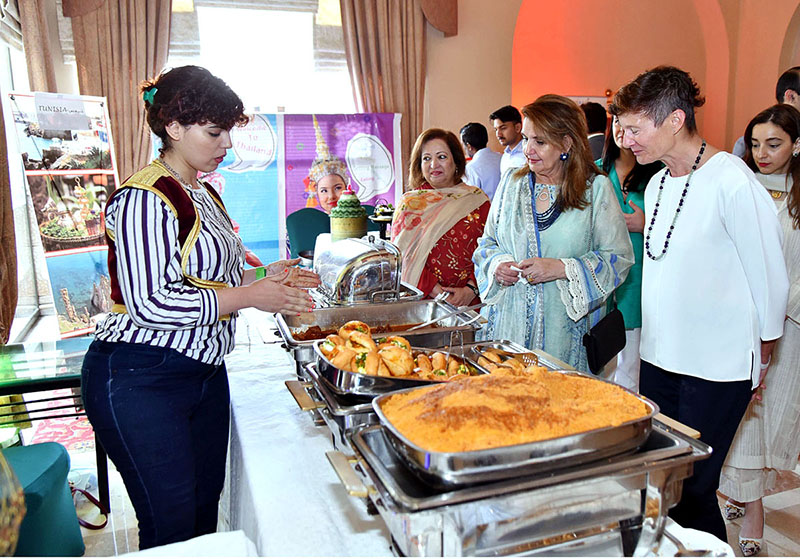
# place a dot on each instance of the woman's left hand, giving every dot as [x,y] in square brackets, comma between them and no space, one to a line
[634,221]
[541,270]
[459,296]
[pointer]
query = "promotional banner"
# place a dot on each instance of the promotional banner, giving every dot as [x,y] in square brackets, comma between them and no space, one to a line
[68,156]
[265,175]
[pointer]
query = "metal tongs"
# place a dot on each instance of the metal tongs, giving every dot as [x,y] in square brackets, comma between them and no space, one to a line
[458,311]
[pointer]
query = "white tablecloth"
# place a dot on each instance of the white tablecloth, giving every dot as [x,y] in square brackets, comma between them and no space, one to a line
[281,490]
[221,544]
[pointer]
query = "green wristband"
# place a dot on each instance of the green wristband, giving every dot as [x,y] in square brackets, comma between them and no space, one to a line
[261,272]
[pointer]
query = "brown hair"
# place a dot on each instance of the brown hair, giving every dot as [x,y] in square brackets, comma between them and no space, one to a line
[787,118]
[415,177]
[556,117]
[190,95]
[658,92]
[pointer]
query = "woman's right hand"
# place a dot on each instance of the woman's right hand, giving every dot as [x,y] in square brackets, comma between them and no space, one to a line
[272,296]
[504,275]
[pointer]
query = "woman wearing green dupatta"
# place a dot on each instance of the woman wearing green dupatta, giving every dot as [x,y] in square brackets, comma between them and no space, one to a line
[555,244]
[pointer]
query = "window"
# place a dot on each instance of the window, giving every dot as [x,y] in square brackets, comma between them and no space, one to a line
[279,56]
[33,287]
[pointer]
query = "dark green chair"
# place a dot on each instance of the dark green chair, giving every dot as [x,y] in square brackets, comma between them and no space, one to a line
[50,526]
[302,228]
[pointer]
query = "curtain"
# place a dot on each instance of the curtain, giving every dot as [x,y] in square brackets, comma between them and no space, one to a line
[117,45]
[38,49]
[384,42]
[8,258]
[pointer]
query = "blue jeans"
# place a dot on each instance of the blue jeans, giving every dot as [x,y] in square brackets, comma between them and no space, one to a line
[163,418]
[713,408]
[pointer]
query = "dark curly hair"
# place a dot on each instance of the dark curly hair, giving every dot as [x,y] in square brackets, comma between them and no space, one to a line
[657,93]
[190,95]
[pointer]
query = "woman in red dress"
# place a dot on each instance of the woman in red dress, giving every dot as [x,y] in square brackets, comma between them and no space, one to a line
[439,220]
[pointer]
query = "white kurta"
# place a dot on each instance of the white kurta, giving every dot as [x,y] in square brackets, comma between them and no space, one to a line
[722,286]
[768,438]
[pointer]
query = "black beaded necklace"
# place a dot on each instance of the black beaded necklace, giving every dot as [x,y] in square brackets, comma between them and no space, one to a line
[677,210]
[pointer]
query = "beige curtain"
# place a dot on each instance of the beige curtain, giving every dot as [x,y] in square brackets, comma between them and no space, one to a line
[117,45]
[384,42]
[38,50]
[8,257]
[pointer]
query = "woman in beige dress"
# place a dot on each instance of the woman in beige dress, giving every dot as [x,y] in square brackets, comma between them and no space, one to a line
[768,438]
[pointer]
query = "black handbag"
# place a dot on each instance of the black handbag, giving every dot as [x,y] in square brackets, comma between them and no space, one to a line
[605,340]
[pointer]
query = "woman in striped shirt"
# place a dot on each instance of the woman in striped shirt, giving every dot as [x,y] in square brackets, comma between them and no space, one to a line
[154,382]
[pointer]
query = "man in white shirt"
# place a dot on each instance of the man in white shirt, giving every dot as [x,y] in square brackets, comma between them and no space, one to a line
[714,282]
[483,169]
[507,123]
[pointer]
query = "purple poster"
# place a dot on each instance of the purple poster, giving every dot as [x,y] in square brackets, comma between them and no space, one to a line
[365,147]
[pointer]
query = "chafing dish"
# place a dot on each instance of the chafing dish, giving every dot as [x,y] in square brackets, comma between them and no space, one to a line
[399,313]
[450,469]
[357,384]
[360,271]
[615,506]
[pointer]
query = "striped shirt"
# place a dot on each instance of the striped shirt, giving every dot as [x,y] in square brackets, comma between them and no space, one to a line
[162,309]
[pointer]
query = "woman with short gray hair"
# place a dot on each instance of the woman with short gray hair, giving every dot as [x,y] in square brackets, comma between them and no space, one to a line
[714,283]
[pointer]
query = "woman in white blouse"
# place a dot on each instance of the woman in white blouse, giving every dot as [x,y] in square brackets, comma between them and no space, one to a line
[768,438]
[714,283]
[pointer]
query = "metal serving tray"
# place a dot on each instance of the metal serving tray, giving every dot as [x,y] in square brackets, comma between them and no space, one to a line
[343,415]
[409,493]
[350,383]
[394,314]
[451,469]
[616,506]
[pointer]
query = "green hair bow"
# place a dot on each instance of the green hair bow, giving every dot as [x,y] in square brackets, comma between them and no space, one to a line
[149,95]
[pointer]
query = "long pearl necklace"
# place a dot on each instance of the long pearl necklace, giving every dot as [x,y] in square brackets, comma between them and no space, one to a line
[175,173]
[677,210]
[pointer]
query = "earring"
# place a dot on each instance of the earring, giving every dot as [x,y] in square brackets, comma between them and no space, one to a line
[795,153]
[563,156]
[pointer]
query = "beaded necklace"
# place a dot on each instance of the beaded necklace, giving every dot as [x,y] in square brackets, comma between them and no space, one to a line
[546,218]
[677,210]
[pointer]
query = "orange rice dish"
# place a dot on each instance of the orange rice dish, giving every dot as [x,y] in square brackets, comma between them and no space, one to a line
[507,408]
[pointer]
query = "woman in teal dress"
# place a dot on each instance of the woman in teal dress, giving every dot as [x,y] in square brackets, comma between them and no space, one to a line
[629,179]
[555,244]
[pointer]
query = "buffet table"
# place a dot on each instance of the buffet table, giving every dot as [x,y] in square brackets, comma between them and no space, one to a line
[280,489]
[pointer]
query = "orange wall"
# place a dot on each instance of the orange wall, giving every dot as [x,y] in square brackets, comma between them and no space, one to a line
[514,50]
[583,47]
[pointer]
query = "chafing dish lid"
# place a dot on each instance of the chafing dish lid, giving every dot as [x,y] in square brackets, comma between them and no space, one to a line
[353,269]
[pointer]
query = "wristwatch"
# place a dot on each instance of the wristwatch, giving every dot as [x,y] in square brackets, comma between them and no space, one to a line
[474,289]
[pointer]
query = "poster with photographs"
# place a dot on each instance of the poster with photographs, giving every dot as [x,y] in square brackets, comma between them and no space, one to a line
[67,153]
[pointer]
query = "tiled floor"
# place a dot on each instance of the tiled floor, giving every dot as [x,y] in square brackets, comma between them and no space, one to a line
[782,528]
[121,534]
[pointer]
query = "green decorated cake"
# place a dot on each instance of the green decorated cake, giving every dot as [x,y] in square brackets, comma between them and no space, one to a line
[348,218]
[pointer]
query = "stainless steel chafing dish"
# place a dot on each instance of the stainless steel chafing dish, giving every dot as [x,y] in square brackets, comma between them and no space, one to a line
[450,469]
[398,313]
[358,384]
[359,271]
[616,506]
